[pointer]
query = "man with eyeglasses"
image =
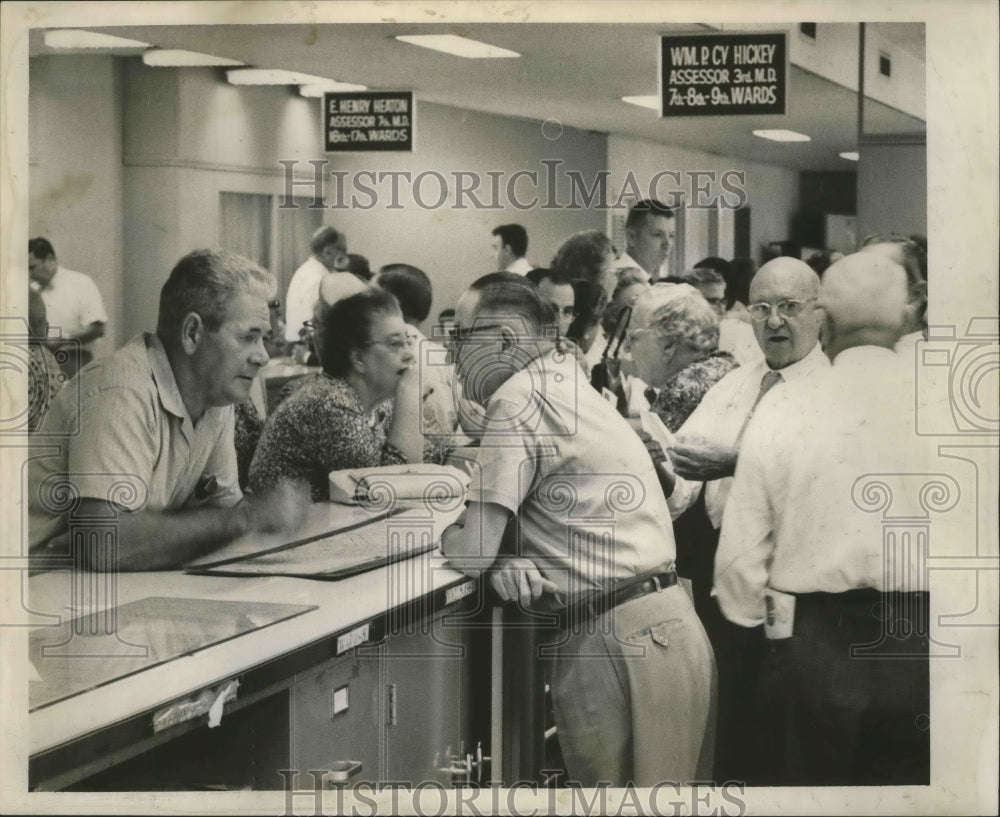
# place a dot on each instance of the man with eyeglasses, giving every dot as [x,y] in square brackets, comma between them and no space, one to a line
[805,545]
[631,672]
[558,288]
[786,324]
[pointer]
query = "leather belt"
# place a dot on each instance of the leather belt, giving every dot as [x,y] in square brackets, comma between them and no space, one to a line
[863,595]
[599,603]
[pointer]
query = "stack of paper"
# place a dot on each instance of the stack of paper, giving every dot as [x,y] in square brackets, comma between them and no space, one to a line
[387,485]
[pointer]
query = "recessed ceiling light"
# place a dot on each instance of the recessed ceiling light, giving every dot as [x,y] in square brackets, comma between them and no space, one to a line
[78,38]
[782,135]
[850,155]
[459,46]
[643,101]
[175,58]
[318,89]
[271,76]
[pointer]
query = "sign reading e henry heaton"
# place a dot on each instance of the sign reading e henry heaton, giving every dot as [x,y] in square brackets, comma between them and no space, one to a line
[723,74]
[368,120]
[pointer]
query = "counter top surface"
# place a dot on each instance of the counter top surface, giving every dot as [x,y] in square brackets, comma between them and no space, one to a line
[339,605]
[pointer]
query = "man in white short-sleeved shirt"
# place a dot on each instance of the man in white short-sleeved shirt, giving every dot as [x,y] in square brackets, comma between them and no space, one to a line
[146,442]
[632,677]
[73,305]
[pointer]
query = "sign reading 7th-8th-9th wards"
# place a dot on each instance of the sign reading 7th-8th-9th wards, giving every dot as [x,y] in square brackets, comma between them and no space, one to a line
[723,74]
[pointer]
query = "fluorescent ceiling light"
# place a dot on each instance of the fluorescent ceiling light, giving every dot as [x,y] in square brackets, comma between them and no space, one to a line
[643,101]
[850,156]
[78,38]
[271,76]
[318,89]
[459,46]
[782,136]
[175,58]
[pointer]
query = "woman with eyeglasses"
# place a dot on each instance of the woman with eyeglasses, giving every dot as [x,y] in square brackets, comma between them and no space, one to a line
[362,411]
[672,342]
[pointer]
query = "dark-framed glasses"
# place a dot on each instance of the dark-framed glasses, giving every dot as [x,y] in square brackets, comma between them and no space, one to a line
[460,334]
[787,308]
[398,343]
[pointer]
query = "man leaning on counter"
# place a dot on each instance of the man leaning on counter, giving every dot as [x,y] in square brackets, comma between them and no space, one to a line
[149,430]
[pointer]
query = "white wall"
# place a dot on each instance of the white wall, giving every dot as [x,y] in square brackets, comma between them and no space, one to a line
[189,136]
[75,171]
[772,192]
[833,55]
[892,190]
[185,135]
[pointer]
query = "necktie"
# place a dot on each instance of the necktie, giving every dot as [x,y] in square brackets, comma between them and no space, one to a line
[650,394]
[767,382]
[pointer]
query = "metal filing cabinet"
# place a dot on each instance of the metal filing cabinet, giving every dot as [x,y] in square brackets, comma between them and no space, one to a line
[408,707]
[335,718]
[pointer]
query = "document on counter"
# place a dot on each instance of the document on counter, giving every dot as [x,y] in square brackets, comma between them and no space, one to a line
[365,545]
[92,650]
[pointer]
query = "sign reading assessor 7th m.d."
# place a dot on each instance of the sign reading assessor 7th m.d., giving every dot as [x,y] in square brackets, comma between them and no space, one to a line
[368,120]
[720,74]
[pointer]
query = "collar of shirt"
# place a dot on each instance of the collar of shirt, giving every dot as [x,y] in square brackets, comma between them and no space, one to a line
[163,376]
[51,283]
[544,364]
[520,266]
[800,368]
[861,357]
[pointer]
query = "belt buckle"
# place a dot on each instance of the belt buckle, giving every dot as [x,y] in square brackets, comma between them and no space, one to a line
[656,583]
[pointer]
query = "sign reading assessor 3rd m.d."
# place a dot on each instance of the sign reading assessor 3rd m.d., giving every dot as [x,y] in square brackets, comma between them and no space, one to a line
[368,120]
[717,74]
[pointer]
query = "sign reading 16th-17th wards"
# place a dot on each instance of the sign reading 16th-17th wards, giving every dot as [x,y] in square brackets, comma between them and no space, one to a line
[368,120]
[723,74]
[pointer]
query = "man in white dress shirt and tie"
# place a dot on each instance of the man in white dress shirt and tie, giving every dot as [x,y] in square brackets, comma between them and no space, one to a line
[801,543]
[786,324]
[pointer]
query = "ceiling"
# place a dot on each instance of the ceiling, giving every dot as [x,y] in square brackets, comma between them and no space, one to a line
[574,73]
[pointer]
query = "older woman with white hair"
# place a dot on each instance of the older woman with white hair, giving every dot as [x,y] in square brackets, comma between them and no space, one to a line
[673,341]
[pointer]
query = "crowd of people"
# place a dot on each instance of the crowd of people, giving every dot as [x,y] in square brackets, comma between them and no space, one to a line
[710,584]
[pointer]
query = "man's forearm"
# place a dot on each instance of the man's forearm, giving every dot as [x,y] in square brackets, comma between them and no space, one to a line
[472,546]
[152,540]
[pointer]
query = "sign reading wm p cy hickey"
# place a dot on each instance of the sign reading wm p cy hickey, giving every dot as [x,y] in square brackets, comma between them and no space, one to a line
[368,120]
[723,74]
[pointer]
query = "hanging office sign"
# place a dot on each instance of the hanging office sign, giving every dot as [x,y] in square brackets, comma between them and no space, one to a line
[717,74]
[368,120]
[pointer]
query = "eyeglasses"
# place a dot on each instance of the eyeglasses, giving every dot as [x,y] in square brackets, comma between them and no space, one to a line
[398,343]
[460,334]
[633,336]
[788,308]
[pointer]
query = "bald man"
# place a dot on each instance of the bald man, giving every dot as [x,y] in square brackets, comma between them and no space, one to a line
[800,547]
[786,326]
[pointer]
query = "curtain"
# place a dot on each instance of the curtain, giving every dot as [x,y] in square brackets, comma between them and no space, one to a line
[246,225]
[295,228]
